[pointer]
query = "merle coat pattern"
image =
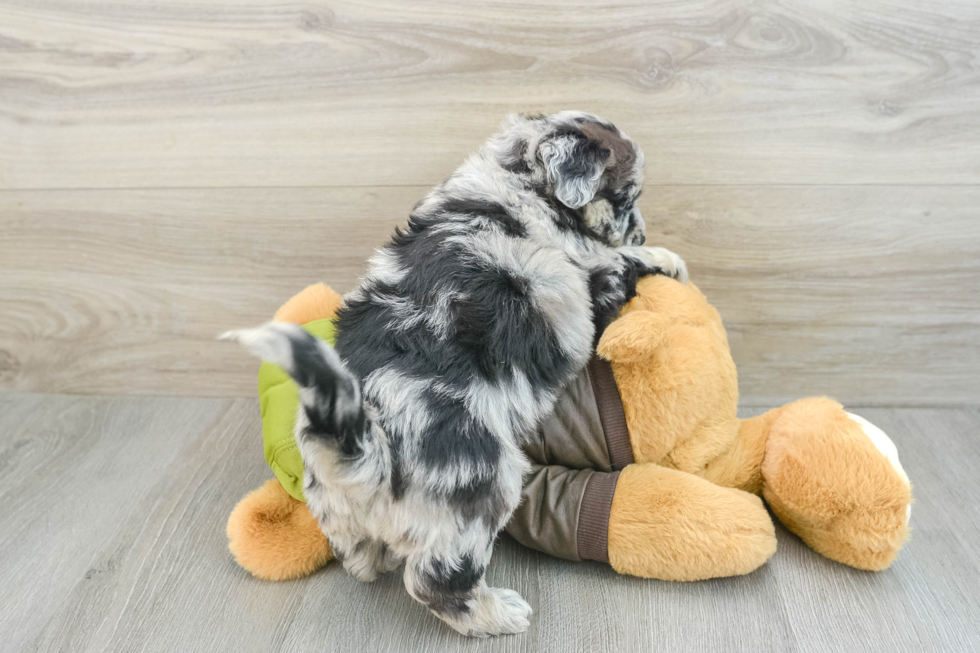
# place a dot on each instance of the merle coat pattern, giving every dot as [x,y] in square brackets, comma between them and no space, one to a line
[455,345]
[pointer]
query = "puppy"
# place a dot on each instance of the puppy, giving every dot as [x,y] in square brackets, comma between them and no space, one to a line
[454,346]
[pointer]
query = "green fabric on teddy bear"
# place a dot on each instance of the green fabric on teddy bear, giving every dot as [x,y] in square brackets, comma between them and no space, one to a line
[279,401]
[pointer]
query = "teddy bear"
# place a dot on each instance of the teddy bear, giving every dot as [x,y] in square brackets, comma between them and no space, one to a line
[644,463]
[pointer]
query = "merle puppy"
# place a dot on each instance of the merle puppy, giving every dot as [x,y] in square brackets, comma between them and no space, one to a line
[454,346]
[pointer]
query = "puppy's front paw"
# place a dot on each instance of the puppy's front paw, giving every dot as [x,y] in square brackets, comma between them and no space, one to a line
[497,611]
[658,257]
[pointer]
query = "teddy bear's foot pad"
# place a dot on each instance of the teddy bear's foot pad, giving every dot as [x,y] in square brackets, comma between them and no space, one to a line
[834,479]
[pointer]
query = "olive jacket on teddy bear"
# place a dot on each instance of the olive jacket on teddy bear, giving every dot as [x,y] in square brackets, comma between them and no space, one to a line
[643,464]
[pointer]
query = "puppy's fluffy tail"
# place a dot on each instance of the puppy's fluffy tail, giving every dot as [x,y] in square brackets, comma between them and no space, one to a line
[331,396]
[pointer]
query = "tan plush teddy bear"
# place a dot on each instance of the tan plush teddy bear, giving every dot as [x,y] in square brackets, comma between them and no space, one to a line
[644,463]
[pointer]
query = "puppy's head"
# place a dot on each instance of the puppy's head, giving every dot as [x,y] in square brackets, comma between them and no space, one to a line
[584,163]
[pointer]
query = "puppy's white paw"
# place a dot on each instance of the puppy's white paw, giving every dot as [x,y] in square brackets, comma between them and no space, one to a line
[362,572]
[515,611]
[368,560]
[495,611]
[662,258]
[671,262]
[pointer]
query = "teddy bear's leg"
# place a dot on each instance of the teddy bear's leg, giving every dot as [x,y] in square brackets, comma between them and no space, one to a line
[672,525]
[274,536]
[834,479]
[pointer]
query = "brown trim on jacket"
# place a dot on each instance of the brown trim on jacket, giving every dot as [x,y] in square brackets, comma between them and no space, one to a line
[593,517]
[611,413]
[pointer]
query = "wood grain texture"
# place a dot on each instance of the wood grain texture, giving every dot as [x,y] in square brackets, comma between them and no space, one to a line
[864,293]
[126,292]
[258,93]
[112,514]
[869,294]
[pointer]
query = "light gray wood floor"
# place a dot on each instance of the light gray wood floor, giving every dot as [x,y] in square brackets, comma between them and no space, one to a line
[112,513]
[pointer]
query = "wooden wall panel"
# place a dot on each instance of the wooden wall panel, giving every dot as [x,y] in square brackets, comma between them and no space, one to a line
[169,169]
[172,93]
[866,293]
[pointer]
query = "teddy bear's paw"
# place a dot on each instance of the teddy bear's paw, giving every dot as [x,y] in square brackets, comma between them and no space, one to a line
[887,448]
[658,257]
[834,479]
[670,525]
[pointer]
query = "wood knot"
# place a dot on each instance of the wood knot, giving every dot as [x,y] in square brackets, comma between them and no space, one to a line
[9,366]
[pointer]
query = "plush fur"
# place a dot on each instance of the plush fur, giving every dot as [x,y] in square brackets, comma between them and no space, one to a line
[829,483]
[274,536]
[455,345]
[678,382]
[674,526]
[830,477]
[314,302]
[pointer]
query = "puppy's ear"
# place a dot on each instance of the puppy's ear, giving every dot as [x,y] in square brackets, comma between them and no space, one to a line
[574,164]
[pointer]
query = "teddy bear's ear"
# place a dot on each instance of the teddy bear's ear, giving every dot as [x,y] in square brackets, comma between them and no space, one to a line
[314,302]
[634,337]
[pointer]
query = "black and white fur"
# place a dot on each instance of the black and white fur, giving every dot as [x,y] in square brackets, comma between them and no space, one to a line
[454,346]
